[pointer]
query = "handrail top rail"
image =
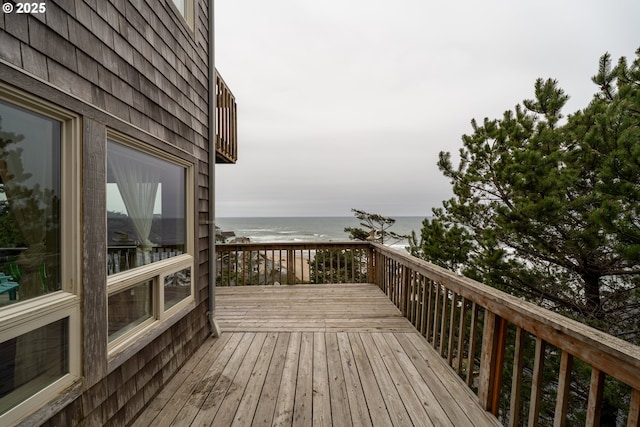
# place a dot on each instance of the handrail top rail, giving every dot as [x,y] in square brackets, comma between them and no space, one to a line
[292,245]
[585,342]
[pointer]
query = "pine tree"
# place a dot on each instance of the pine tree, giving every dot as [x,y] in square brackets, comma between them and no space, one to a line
[375,228]
[547,207]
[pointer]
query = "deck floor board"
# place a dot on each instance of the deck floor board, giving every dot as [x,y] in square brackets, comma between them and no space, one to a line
[313,355]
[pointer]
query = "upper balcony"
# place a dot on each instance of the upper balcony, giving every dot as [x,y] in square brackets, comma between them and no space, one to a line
[226,123]
[367,335]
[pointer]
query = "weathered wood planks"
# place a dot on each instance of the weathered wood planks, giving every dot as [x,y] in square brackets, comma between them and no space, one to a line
[353,375]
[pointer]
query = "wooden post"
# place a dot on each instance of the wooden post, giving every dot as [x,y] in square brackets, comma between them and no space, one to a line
[492,361]
[371,273]
[291,263]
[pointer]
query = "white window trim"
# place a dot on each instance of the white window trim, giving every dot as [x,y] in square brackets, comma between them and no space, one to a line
[189,15]
[156,271]
[23,317]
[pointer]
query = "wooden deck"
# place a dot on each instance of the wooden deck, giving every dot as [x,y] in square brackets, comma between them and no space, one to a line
[316,355]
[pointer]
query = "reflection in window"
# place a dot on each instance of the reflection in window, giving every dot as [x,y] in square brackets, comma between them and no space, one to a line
[32,361]
[146,207]
[129,308]
[29,204]
[177,286]
[182,6]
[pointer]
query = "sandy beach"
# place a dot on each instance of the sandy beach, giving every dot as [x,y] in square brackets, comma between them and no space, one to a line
[301,265]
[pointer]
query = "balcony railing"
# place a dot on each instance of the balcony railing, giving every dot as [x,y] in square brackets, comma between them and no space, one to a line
[527,365]
[226,123]
[291,263]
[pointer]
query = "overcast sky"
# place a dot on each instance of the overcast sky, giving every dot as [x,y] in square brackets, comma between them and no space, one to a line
[346,103]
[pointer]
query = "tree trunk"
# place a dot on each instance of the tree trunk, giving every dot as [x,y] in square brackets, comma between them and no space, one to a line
[593,302]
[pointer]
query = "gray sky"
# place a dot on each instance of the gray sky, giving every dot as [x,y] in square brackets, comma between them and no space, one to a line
[347,103]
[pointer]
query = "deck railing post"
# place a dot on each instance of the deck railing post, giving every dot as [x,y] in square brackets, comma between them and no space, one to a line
[491,362]
[291,272]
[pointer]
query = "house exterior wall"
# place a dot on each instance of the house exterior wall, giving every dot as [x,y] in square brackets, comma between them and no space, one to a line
[140,69]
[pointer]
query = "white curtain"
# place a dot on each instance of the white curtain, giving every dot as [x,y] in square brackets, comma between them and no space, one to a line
[138,186]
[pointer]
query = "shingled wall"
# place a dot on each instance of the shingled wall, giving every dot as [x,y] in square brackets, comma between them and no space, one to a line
[137,67]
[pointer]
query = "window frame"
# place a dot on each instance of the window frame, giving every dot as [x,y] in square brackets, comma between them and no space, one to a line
[35,313]
[189,12]
[157,270]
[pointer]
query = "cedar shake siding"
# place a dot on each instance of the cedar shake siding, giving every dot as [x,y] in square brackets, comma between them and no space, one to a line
[137,69]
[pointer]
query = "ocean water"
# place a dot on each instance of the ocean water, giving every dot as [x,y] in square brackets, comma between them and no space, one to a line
[307,229]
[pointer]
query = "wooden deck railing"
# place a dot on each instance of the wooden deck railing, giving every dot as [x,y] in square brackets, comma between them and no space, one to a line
[527,365]
[291,263]
[487,335]
[226,123]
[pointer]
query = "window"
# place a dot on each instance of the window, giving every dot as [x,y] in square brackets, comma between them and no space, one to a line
[29,204]
[149,237]
[130,308]
[39,247]
[185,7]
[146,198]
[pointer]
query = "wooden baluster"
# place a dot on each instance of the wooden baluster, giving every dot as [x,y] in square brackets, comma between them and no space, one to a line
[436,318]
[564,381]
[443,321]
[424,286]
[235,266]
[416,300]
[412,297]
[536,383]
[370,253]
[594,406]
[452,321]
[634,409]
[386,277]
[396,284]
[355,257]
[516,378]
[419,302]
[263,256]
[428,331]
[462,330]
[405,283]
[492,361]
[244,265]
[380,272]
[472,344]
